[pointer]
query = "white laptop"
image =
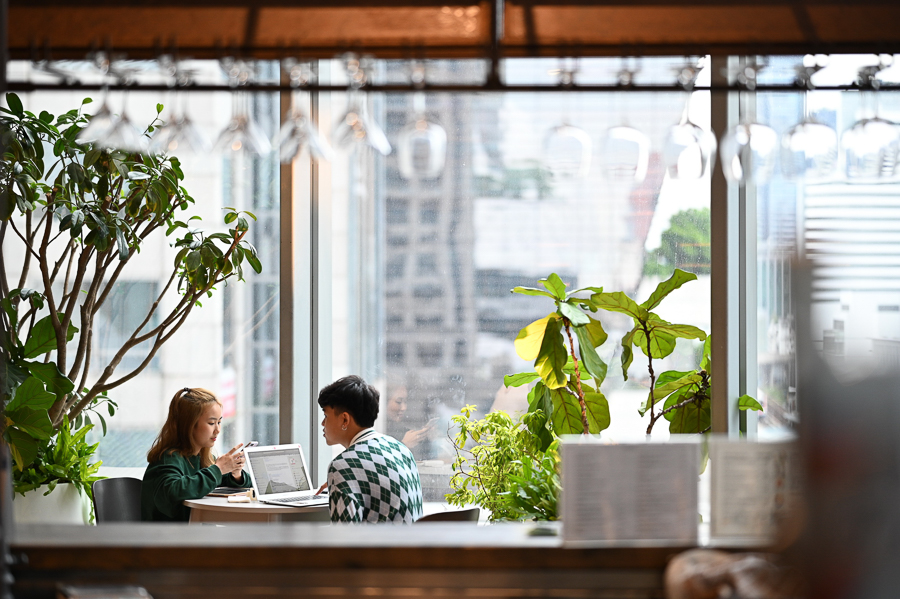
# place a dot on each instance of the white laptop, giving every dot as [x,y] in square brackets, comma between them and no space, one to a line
[280,476]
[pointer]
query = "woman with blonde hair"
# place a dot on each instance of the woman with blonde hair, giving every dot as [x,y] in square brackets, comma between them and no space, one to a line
[181,462]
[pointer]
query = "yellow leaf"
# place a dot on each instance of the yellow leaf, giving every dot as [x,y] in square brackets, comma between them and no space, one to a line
[528,342]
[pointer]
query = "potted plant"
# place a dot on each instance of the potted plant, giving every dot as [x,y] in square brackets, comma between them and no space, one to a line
[508,471]
[80,213]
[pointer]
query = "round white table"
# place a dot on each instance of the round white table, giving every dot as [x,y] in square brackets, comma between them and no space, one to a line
[217,509]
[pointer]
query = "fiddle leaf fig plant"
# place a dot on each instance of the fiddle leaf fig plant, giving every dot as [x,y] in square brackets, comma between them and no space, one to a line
[654,336]
[569,387]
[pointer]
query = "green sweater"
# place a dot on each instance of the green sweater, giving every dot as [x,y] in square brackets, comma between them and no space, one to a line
[174,478]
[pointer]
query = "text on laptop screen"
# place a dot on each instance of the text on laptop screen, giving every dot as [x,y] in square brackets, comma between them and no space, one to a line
[278,471]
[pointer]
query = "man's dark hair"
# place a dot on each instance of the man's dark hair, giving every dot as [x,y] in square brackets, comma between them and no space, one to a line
[354,395]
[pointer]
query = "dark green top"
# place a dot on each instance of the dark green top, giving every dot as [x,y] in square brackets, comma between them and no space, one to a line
[175,478]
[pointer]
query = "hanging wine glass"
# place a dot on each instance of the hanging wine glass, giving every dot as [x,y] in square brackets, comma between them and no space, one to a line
[566,148]
[688,149]
[871,146]
[422,144]
[749,152]
[625,153]
[809,149]
[99,124]
[179,133]
[242,134]
[749,149]
[298,130]
[355,125]
[115,132]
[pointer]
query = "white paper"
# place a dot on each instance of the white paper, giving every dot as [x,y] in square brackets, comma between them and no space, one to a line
[643,491]
[753,486]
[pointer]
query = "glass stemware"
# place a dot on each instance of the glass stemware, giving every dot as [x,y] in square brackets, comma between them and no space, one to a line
[115,132]
[872,145]
[298,130]
[567,151]
[809,150]
[242,134]
[748,153]
[688,149]
[626,154]
[355,125]
[99,124]
[421,145]
[180,134]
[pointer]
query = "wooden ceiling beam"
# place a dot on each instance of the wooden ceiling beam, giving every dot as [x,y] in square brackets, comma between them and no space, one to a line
[270,29]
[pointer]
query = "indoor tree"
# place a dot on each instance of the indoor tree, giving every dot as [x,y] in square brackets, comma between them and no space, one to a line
[80,214]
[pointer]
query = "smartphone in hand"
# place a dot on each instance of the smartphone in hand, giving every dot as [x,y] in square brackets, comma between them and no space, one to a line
[251,444]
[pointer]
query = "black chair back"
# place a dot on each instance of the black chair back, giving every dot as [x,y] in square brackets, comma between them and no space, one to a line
[466,515]
[117,500]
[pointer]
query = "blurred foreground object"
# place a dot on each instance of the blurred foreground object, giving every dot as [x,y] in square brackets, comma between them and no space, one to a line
[710,574]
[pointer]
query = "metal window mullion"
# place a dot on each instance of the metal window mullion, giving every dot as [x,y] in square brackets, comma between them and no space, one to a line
[726,266]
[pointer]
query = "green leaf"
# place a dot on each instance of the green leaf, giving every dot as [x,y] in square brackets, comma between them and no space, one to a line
[660,392]
[532,291]
[528,341]
[254,262]
[122,244]
[57,383]
[566,412]
[627,355]
[193,260]
[707,354]
[31,394]
[15,104]
[517,380]
[676,398]
[592,363]
[22,446]
[159,108]
[7,204]
[43,337]
[575,316]
[102,422]
[658,346]
[554,285]
[230,217]
[596,335]
[552,356]
[745,402]
[34,422]
[683,331]
[692,418]
[597,408]
[617,301]
[678,278]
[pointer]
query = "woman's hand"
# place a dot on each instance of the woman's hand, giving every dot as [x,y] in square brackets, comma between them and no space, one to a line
[232,462]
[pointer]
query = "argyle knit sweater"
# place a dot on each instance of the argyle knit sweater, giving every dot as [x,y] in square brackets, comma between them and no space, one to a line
[374,480]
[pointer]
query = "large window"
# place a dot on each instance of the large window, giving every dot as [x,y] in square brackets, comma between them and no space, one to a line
[423,266]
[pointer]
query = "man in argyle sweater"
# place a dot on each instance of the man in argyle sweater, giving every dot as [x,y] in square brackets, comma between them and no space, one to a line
[375,478]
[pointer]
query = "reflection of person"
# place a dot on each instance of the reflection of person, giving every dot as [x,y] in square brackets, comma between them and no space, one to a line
[396,424]
[375,478]
[181,463]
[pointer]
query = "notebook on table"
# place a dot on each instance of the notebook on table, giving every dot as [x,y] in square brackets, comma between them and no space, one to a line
[280,476]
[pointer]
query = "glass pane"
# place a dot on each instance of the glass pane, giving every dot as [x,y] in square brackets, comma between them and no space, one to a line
[228,345]
[423,266]
[845,225]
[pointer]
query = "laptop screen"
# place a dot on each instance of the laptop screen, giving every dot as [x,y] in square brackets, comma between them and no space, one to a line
[279,471]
